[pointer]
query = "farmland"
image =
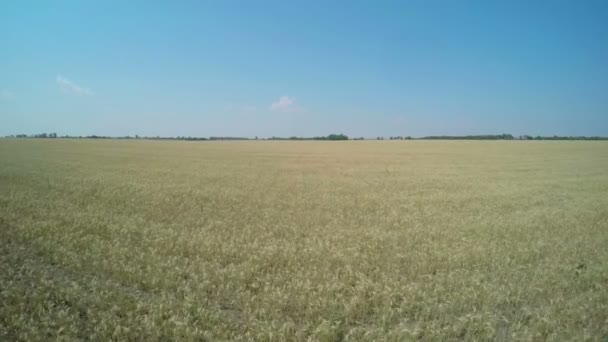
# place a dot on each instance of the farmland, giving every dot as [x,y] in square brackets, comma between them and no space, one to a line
[310,240]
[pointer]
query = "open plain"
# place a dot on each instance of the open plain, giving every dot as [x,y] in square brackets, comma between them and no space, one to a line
[323,241]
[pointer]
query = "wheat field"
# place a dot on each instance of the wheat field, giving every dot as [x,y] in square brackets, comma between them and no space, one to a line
[303,241]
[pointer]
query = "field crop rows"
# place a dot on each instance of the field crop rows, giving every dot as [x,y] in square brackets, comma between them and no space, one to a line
[322,241]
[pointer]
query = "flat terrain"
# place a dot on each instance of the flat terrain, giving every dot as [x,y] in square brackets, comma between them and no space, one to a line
[328,241]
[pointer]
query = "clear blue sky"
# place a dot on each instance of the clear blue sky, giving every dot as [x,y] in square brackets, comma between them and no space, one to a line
[247,68]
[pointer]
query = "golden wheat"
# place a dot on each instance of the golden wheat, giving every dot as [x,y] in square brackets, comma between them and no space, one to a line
[323,241]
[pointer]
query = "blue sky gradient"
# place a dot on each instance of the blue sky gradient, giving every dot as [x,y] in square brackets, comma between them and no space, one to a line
[263,68]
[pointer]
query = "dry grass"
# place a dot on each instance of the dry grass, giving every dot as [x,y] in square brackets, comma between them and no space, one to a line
[328,241]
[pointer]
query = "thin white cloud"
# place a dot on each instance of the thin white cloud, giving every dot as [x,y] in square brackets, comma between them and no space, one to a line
[6,95]
[70,87]
[284,104]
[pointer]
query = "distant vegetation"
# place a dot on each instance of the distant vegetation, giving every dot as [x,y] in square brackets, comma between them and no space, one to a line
[54,135]
[510,137]
[472,137]
[328,137]
[555,137]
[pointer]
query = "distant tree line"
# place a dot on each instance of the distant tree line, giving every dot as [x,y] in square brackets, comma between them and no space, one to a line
[471,137]
[228,138]
[511,137]
[556,137]
[331,137]
[41,135]
[54,135]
